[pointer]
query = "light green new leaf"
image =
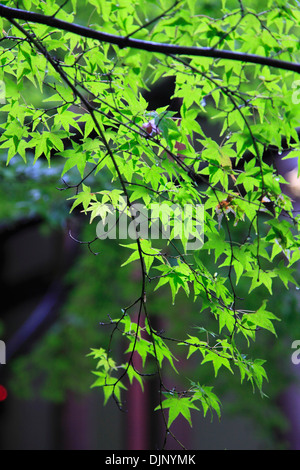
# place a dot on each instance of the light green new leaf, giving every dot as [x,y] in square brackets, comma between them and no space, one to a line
[110,385]
[261,318]
[178,406]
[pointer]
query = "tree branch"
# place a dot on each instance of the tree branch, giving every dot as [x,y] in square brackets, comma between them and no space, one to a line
[126,41]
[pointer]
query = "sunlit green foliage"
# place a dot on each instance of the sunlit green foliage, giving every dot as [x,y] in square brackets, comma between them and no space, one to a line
[94,88]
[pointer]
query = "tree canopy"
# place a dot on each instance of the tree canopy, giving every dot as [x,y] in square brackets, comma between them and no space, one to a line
[75,78]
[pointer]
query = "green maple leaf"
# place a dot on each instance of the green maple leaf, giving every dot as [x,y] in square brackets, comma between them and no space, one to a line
[178,406]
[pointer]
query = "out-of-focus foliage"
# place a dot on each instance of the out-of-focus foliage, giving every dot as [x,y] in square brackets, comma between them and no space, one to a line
[28,191]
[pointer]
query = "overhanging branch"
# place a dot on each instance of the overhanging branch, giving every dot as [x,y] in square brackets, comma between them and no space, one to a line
[123,41]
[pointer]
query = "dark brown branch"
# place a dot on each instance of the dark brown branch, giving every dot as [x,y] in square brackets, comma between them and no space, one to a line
[125,41]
